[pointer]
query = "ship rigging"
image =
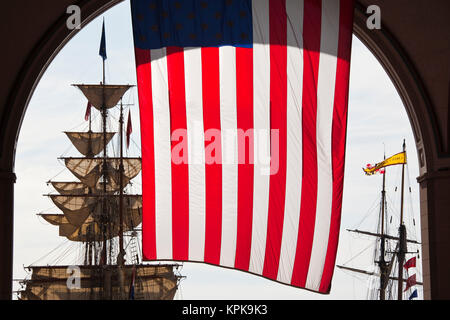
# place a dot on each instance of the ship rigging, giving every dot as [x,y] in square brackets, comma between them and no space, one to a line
[102,214]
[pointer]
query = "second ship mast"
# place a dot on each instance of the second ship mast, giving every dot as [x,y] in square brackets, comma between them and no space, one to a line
[385,267]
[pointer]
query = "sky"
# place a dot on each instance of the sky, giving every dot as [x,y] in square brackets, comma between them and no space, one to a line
[377,123]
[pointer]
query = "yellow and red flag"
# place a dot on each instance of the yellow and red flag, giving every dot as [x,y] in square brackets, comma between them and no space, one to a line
[399,158]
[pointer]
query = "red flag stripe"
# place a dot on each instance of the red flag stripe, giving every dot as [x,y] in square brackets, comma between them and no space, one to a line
[278,107]
[311,53]
[244,108]
[339,137]
[180,176]
[143,70]
[294,10]
[213,171]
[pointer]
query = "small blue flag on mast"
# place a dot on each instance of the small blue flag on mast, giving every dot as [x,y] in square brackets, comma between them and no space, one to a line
[413,295]
[102,51]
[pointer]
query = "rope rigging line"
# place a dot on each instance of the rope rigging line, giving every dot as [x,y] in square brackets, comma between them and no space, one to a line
[66,241]
[368,213]
[361,252]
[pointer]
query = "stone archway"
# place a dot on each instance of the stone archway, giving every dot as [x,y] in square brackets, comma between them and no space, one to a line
[50,34]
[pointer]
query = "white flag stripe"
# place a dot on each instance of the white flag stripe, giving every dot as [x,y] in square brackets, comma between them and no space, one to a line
[228,122]
[163,173]
[261,119]
[294,9]
[196,152]
[325,103]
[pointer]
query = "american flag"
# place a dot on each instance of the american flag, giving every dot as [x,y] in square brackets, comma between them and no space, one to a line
[221,83]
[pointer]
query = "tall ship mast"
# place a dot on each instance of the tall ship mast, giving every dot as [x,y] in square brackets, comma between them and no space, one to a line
[101,214]
[394,256]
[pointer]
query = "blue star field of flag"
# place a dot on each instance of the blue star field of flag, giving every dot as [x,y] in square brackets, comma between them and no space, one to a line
[192,23]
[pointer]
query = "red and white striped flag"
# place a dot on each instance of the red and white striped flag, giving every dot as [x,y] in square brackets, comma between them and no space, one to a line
[243,108]
[411,281]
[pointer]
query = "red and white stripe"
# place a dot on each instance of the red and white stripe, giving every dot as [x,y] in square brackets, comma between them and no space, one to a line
[295,80]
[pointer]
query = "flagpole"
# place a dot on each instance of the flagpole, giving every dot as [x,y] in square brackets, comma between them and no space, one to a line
[107,294]
[403,184]
[402,235]
[384,277]
[104,145]
[121,257]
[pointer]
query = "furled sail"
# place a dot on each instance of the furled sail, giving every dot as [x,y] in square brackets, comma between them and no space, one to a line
[66,229]
[132,215]
[89,231]
[97,93]
[132,167]
[76,208]
[70,188]
[89,171]
[89,143]
[153,282]
[80,213]
[55,219]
